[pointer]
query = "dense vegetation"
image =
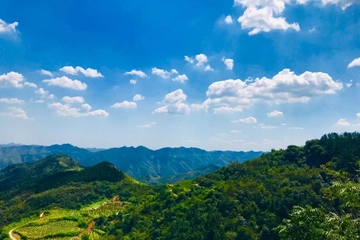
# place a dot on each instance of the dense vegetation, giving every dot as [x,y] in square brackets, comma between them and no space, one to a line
[307,192]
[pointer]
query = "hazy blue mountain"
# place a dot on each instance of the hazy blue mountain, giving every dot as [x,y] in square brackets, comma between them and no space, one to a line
[135,161]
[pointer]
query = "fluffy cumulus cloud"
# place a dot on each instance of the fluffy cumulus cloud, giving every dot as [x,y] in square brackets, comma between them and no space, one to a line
[72,100]
[264,16]
[66,82]
[46,72]
[180,78]
[174,104]
[11,79]
[16,112]
[163,73]
[30,84]
[354,63]
[89,72]
[228,19]
[229,63]
[66,110]
[125,105]
[133,81]
[138,97]
[8,28]
[11,101]
[285,87]
[167,74]
[343,123]
[358,115]
[41,92]
[200,61]
[249,120]
[136,73]
[275,113]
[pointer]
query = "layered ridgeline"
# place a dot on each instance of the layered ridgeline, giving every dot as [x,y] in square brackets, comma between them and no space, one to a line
[139,162]
[314,186]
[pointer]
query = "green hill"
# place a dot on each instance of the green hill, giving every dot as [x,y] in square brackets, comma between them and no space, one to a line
[248,200]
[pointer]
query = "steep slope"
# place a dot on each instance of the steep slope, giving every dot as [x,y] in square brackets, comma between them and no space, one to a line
[137,162]
[55,181]
[245,200]
[24,174]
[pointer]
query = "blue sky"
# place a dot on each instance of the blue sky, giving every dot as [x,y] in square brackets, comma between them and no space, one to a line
[229,75]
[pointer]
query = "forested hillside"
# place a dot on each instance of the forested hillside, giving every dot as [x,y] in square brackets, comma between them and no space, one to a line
[301,192]
[139,162]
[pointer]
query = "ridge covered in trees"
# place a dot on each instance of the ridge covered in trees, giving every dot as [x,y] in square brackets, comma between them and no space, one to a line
[301,192]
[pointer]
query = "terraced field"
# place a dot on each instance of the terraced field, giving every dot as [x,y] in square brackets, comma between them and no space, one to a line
[61,224]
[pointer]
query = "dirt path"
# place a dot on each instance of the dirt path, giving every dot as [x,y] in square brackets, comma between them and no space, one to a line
[11,234]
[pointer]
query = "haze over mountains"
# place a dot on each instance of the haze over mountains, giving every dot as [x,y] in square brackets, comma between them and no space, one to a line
[139,162]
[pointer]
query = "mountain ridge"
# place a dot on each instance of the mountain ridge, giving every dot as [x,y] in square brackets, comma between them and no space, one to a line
[135,161]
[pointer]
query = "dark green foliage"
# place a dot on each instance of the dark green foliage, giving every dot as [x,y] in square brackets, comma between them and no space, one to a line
[240,201]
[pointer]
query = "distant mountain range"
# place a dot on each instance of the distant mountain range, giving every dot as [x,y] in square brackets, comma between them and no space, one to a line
[139,162]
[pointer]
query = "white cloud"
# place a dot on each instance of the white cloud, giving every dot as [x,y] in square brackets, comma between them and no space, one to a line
[199,107]
[15,112]
[227,109]
[89,72]
[71,100]
[342,3]
[136,73]
[175,108]
[285,87]
[39,101]
[275,113]
[229,63]
[51,96]
[8,28]
[354,63]
[201,59]
[296,128]
[66,82]
[161,73]
[133,81]
[358,115]
[228,19]
[264,16]
[41,91]
[343,123]
[208,68]
[46,72]
[86,107]
[125,105]
[201,62]
[64,110]
[175,96]
[174,104]
[181,78]
[138,97]
[11,79]
[264,126]
[235,131]
[249,120]
[11,101]
[30,84]
[148,125]
[189,59]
